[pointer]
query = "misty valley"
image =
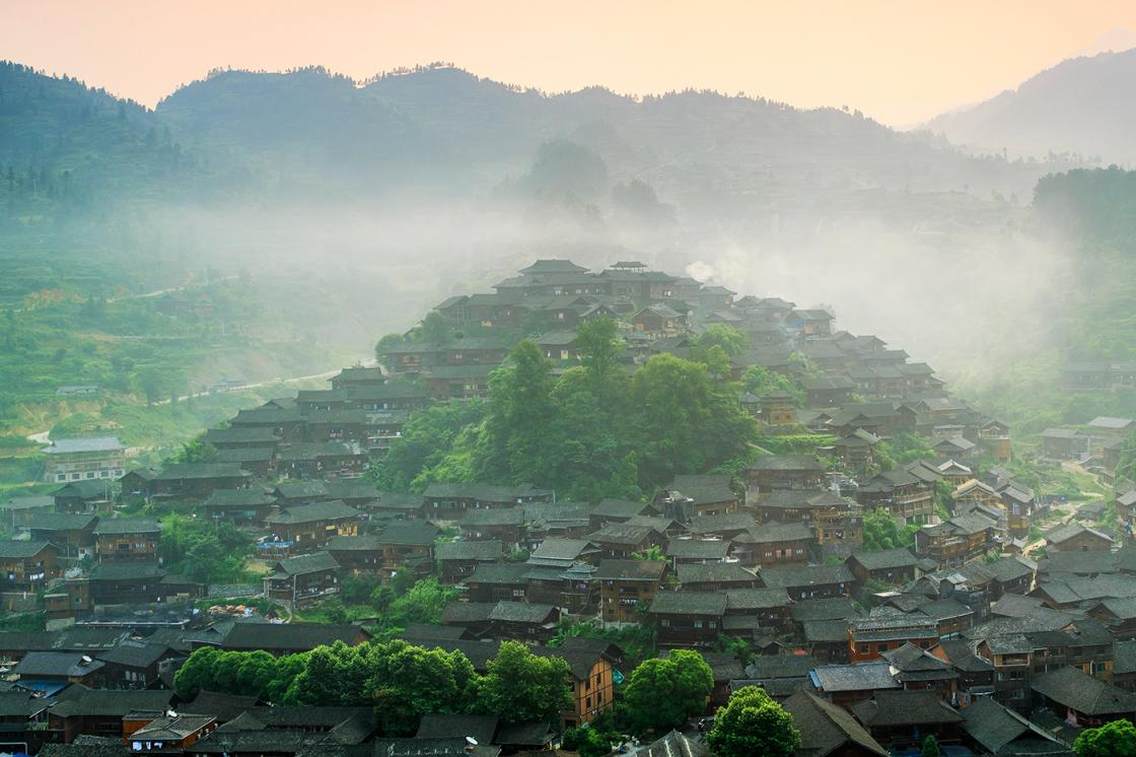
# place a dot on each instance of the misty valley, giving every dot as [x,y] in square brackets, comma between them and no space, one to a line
[427,414]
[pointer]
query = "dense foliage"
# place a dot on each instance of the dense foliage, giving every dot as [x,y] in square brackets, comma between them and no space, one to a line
[402,681]
[593,432]
[664,692]
[204,551]
[1115,739]
[752,723]
[883,531]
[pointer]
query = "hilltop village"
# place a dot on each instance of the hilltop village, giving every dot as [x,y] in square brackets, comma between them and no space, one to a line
[867,552]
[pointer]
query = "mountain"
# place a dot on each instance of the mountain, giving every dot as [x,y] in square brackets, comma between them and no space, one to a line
[453,126]
[1082,105]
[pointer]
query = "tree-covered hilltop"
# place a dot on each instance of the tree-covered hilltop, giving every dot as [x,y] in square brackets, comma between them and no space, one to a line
[594,431]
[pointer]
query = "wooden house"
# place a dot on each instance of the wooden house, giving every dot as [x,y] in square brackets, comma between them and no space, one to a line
[73,535]
[890,567]
[458,559]
[127,540]
[303,580]
[1073,537]
[774,472]
[306,528]
[627,588]
[27,566]
[687,618]
[361,553]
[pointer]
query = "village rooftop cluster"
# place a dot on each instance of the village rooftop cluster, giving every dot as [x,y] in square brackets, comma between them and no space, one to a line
[983,634]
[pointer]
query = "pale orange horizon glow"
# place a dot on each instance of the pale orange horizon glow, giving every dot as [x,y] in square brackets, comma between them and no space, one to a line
[899,62]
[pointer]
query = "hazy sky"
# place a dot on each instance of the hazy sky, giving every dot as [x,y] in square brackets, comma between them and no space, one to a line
[897,60]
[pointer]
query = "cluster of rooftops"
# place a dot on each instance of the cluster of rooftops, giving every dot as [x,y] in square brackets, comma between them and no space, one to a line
[963,635]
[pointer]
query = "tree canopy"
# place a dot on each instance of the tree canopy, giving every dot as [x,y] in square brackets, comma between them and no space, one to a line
[1115,739]
[663,692]
[752,723]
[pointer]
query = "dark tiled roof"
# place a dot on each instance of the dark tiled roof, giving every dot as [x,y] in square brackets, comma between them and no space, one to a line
[638,570]
[714,572]
[485,551]
[20,550]
[869,676]
[826,728]
[303,564]
[55,664]
[829,608]
[621,533]
[317,511]
[135,654]
[886,559]
[410,533]
[997,728]
[698,549]
[689,603]
[80,701]
[756,599]
[905,708]
[788,577]
[499,573]
[1073,688]
[114,526]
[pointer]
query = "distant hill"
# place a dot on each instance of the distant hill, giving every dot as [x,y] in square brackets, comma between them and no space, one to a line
[446,125]
[1082,105]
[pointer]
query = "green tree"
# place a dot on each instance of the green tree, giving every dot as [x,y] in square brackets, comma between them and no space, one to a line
[586,741]
[423,603]
[663,692]
[752,723]
[196,451]
[520,686]
[931,747]
[882,531]
[600,348]
[407,682]
[685,424]
[1114,739]
[430,439]
[520,409]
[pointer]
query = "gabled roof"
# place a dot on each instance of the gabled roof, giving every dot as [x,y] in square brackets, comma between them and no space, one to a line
[305,564]
[409,533]
[826,728]
[56,665]
[59,522]
[123,526]
[631,570]
[317,511]
[559,550]
[620,508]
[1067,531]
[698,549]
[80,701]
[1073,688]
[905,708]
[788,577]
[185,471]
[714,572]
[1001,731]
[712,603]
[621,533]
[756,599]
[869,676]
[21,550]
[483,551]
[135,654]
[886,559]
